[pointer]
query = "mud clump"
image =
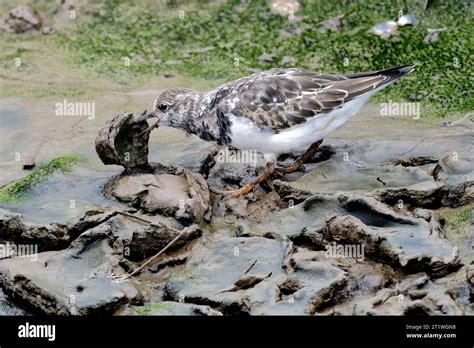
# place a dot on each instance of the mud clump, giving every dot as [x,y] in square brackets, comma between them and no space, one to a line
[153,188]
[74,281]
[16,228]
[184,196]
[148,241]
[122,142]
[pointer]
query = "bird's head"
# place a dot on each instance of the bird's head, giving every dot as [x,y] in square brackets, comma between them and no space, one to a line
[169,108]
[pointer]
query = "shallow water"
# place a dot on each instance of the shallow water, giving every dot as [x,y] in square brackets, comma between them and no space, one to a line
[12,117]
[63,198]
[37,134]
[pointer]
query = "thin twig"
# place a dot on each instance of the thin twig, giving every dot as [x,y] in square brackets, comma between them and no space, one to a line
[139,218]
[128,275]
[250,267]
[151,223]
[135,217]
[413,148]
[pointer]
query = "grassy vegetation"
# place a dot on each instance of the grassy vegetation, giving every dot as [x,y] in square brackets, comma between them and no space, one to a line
[145,310]
[457,222]
[208,40]
[213,34]
[17,190]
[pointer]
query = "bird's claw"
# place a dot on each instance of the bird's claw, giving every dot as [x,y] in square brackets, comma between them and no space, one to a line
[236,193]
[241,191]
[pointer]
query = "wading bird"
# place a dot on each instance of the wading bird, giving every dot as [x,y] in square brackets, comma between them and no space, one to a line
[273,112]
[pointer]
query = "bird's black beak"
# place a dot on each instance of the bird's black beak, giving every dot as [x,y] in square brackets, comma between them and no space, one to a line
[146,115]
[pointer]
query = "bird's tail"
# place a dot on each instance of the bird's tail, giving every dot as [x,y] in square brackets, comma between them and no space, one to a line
[390,75]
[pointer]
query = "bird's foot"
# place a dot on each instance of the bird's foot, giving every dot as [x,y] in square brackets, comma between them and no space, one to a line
[298,163]
[269,170]
[290,168]
[241,191]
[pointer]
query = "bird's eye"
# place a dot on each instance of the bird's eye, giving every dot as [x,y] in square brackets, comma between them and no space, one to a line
[163,107]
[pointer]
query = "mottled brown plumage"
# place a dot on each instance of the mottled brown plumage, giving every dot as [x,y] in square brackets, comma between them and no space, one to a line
[273,112]
[281,98]
[274,102]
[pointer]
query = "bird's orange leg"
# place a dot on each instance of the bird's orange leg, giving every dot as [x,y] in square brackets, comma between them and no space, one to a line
[269,170]
[293,167]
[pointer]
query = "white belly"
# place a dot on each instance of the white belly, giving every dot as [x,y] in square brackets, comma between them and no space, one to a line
[246,136]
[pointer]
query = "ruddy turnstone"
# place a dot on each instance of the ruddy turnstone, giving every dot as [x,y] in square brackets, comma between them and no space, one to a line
[273,112]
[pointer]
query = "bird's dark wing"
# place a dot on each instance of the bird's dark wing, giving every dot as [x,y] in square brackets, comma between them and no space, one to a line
[281,98]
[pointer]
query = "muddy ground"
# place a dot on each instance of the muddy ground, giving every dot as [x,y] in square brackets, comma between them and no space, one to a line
[375,189]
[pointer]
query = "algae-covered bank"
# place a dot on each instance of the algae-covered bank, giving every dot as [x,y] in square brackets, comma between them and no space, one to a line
[99,216]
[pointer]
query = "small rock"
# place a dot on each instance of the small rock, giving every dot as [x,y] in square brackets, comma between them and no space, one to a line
[423,213]
[29,165]
[173,62]
[138,57]
[266,58]
[48,30]
[407,19]
[413,281]
[284,33]
[385,29]
[331,24]
[22,19]
[288,60]
[285,7]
